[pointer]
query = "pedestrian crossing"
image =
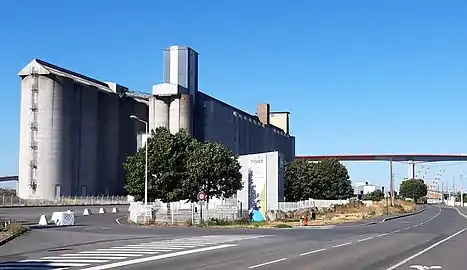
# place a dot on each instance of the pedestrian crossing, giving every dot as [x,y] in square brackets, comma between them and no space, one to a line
[87,258]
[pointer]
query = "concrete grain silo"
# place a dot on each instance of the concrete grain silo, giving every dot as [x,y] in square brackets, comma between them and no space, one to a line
[45,151]
[172,101]
[74,133]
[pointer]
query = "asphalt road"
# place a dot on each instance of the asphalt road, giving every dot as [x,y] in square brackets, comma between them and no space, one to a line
[32,214]
[102,243]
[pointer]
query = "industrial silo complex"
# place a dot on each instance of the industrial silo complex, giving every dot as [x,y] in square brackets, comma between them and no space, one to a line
[76,132]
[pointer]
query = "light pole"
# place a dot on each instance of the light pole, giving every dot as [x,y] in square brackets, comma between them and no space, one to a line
[136,118]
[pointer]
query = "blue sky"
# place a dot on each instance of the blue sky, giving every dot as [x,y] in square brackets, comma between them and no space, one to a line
[357,76]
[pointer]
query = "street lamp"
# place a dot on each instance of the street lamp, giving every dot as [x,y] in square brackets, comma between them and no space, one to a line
[136,118]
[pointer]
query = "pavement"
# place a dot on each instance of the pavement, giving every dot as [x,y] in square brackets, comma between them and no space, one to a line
[429,239]
[32,214]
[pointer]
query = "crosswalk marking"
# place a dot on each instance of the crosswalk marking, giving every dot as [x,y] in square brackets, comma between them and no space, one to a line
[65,260]
[120,255]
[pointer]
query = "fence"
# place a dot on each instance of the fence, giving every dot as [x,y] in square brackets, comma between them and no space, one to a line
[14,201]
[4,222]
[291,206]
[174,213]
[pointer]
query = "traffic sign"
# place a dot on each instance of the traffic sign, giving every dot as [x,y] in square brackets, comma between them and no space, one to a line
[201,196]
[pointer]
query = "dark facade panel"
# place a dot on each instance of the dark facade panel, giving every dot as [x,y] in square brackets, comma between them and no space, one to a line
[239,131]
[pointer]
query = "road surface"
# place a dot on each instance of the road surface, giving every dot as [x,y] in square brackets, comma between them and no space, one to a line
[433,238]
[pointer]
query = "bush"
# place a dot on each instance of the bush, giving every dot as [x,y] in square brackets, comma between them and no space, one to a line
[224,222]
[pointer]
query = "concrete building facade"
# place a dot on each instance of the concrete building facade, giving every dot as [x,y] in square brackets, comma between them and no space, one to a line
[75,131]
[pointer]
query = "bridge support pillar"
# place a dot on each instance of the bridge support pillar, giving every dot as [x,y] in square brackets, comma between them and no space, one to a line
[412,169]
[391,182]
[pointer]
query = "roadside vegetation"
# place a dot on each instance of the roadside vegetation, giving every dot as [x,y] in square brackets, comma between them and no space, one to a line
[179,166]
[9,228]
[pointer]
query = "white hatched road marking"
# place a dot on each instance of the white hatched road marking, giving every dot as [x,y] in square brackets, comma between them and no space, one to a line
[126,254]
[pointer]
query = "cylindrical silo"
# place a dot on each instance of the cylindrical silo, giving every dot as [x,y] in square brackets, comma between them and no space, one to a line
[152,113]
[53,160]
[185,113]
[88,129]
[174,115]
[109,125]
[24,169]
[161,116]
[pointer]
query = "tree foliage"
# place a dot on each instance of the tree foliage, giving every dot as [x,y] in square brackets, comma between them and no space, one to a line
[212,168]
[413,188]
[179,167]
[327,179]
[375,196]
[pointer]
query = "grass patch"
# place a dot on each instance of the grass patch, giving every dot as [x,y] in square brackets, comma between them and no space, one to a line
[10,229]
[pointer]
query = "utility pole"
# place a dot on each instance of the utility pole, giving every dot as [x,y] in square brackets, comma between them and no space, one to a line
[442,191]
[461,191]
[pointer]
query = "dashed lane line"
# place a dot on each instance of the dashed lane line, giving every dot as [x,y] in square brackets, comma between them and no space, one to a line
[267,263]
[342,245]
[115,256]
[312,252]
[350,243]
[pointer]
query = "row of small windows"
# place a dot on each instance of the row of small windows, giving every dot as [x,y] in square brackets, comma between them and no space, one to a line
[244,117]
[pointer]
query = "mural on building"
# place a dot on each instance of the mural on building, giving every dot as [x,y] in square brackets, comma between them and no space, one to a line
[257,186]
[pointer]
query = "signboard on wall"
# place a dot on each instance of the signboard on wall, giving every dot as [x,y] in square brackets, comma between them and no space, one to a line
[257,181]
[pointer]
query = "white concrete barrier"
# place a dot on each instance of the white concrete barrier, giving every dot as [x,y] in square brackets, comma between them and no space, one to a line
[114,210]
[43,221]
[101,211]
[63,218]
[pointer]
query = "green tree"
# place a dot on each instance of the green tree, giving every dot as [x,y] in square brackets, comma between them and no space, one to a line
[413,188]
[375,196]
[212,168]
[167,159]
[179,167]
[299,175]
[332,181]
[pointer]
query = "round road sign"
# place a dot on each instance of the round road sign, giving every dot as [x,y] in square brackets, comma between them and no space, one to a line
[201,196]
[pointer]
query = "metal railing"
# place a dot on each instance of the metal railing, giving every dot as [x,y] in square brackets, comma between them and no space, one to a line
[14,201]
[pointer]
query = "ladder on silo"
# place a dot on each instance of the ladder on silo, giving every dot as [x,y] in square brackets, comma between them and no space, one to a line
[33,126]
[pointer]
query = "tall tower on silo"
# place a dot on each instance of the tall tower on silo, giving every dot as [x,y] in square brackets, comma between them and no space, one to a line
[172,102]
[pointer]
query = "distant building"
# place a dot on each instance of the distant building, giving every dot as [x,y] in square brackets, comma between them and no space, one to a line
[75,131]
[364,188]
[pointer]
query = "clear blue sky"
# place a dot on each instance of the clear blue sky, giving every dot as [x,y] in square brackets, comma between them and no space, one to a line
[357,76]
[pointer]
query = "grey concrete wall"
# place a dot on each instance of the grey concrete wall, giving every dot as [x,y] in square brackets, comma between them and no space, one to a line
[24,150]
[87,123]
[241,132]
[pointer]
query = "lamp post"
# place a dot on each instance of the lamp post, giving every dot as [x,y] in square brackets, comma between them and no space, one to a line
[136,118]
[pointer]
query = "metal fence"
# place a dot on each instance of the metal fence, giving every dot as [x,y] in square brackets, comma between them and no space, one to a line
[14,201]
[291,206]
[193,214]
[4,222]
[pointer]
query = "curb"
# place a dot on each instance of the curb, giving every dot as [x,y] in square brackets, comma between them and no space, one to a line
[356,225]
[8,239]
[64,205]
[404,215]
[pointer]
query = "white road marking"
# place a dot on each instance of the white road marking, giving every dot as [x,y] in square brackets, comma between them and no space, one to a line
[65,260]
[341,245]
[267,263]
[119,252]
[312,252]
[365,239]
[425,250]
[50,264]
[381,235]
[158,257]
[86,257]
[118,220]
[422,267]
[396,231]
